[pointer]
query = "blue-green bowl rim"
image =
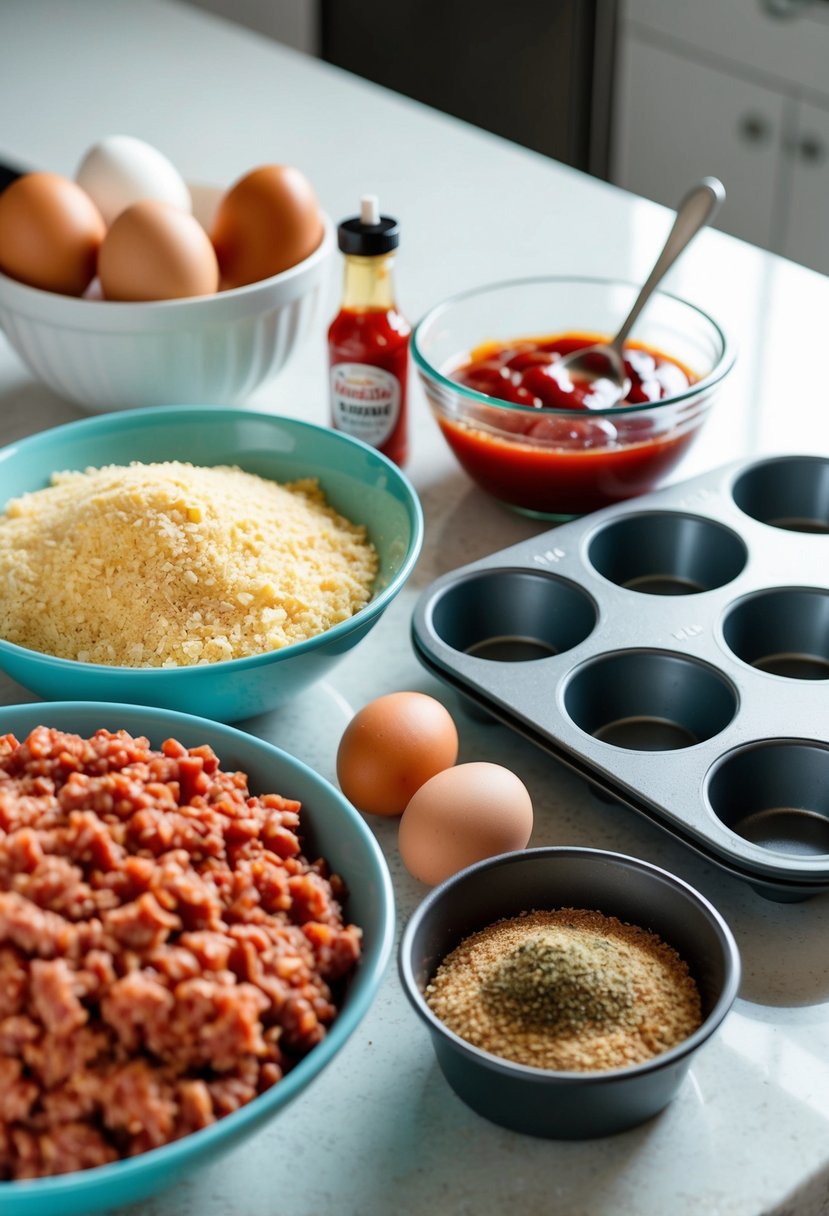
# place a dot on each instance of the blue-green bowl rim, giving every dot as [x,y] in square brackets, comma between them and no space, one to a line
[116,421]
[310,1066]
[720,370]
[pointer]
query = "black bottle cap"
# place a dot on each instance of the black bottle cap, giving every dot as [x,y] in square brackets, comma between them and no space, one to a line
[369,233]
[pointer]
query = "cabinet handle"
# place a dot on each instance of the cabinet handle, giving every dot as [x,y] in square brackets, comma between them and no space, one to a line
[754,129]
[786,8]
[810,149]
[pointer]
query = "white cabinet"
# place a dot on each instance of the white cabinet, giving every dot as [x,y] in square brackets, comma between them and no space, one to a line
[684,110]
[806,224]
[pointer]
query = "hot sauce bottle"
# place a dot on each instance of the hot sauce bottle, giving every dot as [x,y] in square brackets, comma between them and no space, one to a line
[368,340]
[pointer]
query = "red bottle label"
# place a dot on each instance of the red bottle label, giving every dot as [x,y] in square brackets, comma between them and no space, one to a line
[365,401]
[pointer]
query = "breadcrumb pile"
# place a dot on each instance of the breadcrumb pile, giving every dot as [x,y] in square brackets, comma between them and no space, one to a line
[171,564]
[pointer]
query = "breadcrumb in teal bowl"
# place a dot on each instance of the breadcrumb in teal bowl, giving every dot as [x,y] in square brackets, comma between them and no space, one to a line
[357,481]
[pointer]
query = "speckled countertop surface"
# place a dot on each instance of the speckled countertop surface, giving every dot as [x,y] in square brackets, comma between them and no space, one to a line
[380,1130]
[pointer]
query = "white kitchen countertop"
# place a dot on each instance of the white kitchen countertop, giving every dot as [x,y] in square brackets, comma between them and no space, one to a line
[380,1131]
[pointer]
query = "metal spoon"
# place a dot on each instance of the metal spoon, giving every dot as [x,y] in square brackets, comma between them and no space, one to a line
[602,366]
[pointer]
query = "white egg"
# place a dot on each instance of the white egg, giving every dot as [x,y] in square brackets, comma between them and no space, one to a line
[122,170]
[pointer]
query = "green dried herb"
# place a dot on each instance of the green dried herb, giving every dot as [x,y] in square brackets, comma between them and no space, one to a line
[556,978]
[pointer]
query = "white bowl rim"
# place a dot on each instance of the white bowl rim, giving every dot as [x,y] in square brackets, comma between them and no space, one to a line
[120,316]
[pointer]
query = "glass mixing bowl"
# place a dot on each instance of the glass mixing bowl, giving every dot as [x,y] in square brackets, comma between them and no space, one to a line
[559,463]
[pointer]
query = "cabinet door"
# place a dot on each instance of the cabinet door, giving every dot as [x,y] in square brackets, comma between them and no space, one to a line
[678,120]
[521,70]
[806,220]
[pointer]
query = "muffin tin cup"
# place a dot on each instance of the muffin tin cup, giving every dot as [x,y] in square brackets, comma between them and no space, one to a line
[775,793]
[788,492]
[689,654]
[782,631]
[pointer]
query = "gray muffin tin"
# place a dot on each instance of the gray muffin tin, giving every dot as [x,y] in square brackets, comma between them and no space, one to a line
[674,651]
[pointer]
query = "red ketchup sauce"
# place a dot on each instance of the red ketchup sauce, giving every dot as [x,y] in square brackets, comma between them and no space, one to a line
[565,463]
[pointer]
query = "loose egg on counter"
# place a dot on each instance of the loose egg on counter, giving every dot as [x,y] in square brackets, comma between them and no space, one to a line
[121,170]
[461,816]
[265,223]
[50,233]
[390,747]
[155,251]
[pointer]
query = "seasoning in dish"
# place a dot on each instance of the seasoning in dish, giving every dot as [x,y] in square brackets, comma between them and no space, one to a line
[571,990]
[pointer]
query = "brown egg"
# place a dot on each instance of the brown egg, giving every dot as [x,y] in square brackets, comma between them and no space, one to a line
[461,816]
[268,221]
[156,251]
[391,747]
[50,233]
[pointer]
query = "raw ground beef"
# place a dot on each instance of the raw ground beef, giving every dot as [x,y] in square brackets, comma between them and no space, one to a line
[166,951]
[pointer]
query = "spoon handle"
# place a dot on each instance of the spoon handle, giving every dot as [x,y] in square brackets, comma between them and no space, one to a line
[693,213]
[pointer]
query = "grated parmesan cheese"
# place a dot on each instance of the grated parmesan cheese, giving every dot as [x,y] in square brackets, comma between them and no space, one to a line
[165,565]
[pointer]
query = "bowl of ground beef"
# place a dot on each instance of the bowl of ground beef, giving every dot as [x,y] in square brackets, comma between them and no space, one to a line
[566,990]
[208,560]
[192,924]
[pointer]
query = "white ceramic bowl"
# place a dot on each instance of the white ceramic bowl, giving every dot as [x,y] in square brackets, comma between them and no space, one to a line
[210,350]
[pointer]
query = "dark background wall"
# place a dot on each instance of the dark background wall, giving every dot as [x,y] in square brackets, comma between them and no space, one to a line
[535,71]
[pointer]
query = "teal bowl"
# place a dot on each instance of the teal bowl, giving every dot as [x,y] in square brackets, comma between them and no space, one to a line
[357,480]
[333,829]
